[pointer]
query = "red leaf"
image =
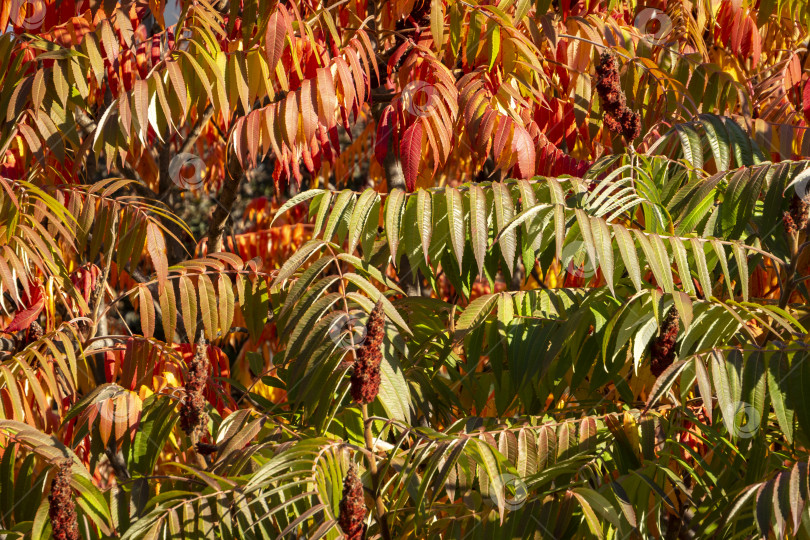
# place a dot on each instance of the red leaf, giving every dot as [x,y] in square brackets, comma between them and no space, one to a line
[253,131]
[503,135]
[396,57]
[806,101]
[32,308]
[482,140]
[725,20]
[523,147]
[325,144]
[410,151]
[384,131]
[274,38]
[239,147]
[84,279]
[737,31]
[752,43]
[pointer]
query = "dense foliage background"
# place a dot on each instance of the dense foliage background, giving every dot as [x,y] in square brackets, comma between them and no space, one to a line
[410,268]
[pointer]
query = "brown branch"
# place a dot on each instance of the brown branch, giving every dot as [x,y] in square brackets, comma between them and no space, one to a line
[168,191]
[395,178]
[225,200]
[97,296]
[195,132]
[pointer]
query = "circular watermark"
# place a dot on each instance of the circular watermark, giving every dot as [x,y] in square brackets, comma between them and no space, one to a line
[121,405]
[28,14]
[514,492]
[420,98]
[653,24]
[745,417]
[348,330]
[801,184]
[186,171]
[637,315]
[575,260]
[184,37]
[115,411]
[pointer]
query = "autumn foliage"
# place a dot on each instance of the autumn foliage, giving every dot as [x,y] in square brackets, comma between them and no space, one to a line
[404,269]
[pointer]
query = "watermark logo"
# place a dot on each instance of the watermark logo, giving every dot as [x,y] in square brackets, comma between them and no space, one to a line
[637,314]
[801,184]
[746,419]
[119,407]
[654,25]
[28,14]
[514,492]
[575,260]
[348,330]
[186,171]
[420,98]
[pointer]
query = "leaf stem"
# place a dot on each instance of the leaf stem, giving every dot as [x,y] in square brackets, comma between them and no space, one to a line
[375,480]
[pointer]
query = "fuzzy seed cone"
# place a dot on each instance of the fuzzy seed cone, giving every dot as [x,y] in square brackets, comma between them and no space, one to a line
[618,117]
[36,332]
[612,124]
[631,124]
[193,418]
[607,85]
[375,329]
[607,65]
[62,508]
[799,212]
[789,224]
[662,349]
[365,379]
[352,506]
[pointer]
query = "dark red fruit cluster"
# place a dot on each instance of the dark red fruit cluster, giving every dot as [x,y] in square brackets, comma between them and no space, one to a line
[35,331]
[352,507]
[618,116]
[797,217]
[662,349]
[62,508]
[366,375]
[193,418]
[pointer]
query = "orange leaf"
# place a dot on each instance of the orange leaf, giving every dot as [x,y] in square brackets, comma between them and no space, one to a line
[309,117]
[291,118]
[274,39]
[523,147]
[270,126]
[327,99]
[147,311]
[5,14]
[156,246]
